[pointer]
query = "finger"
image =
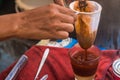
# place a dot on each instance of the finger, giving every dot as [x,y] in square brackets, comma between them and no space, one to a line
[66,18]
[62,35]
[60,2]
[67,11]
[65,27]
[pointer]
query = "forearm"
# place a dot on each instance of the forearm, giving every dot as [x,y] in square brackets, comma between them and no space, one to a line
[46,22]
[8,26]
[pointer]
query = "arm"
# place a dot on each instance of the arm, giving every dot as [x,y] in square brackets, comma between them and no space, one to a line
[47,22]
[60,2]
[7,26]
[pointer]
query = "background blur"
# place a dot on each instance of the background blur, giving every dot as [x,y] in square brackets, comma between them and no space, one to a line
[108,33]
[109,28]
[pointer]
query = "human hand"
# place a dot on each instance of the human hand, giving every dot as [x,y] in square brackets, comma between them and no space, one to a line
[46,22]
[59,2]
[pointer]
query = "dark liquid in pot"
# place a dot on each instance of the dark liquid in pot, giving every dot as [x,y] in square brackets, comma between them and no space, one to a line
[83,66]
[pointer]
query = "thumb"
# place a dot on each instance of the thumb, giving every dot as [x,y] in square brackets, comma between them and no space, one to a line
[60,2]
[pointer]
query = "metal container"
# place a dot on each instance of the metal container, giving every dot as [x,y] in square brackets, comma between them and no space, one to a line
[116,68]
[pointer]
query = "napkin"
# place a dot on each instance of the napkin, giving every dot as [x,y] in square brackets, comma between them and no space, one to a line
[105,70]
[58,66]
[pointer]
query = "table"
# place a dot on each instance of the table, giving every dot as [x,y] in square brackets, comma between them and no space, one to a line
[58,66]
[107,37]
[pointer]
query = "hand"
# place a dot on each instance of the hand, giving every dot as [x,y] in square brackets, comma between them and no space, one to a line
[60,2]
[47,22]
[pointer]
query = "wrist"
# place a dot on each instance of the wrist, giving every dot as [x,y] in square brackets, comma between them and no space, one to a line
[19,25]
[8,25]
[13,24]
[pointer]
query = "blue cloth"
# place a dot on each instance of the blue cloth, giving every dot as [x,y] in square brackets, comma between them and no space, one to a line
[72,43]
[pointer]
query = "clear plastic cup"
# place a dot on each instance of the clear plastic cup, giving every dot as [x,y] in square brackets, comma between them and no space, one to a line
[84,68]
[87,23]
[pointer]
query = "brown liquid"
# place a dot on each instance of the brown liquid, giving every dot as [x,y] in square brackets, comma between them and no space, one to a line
[86,41]
[82,5]
[85,35]
[83,27]
[81,66]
